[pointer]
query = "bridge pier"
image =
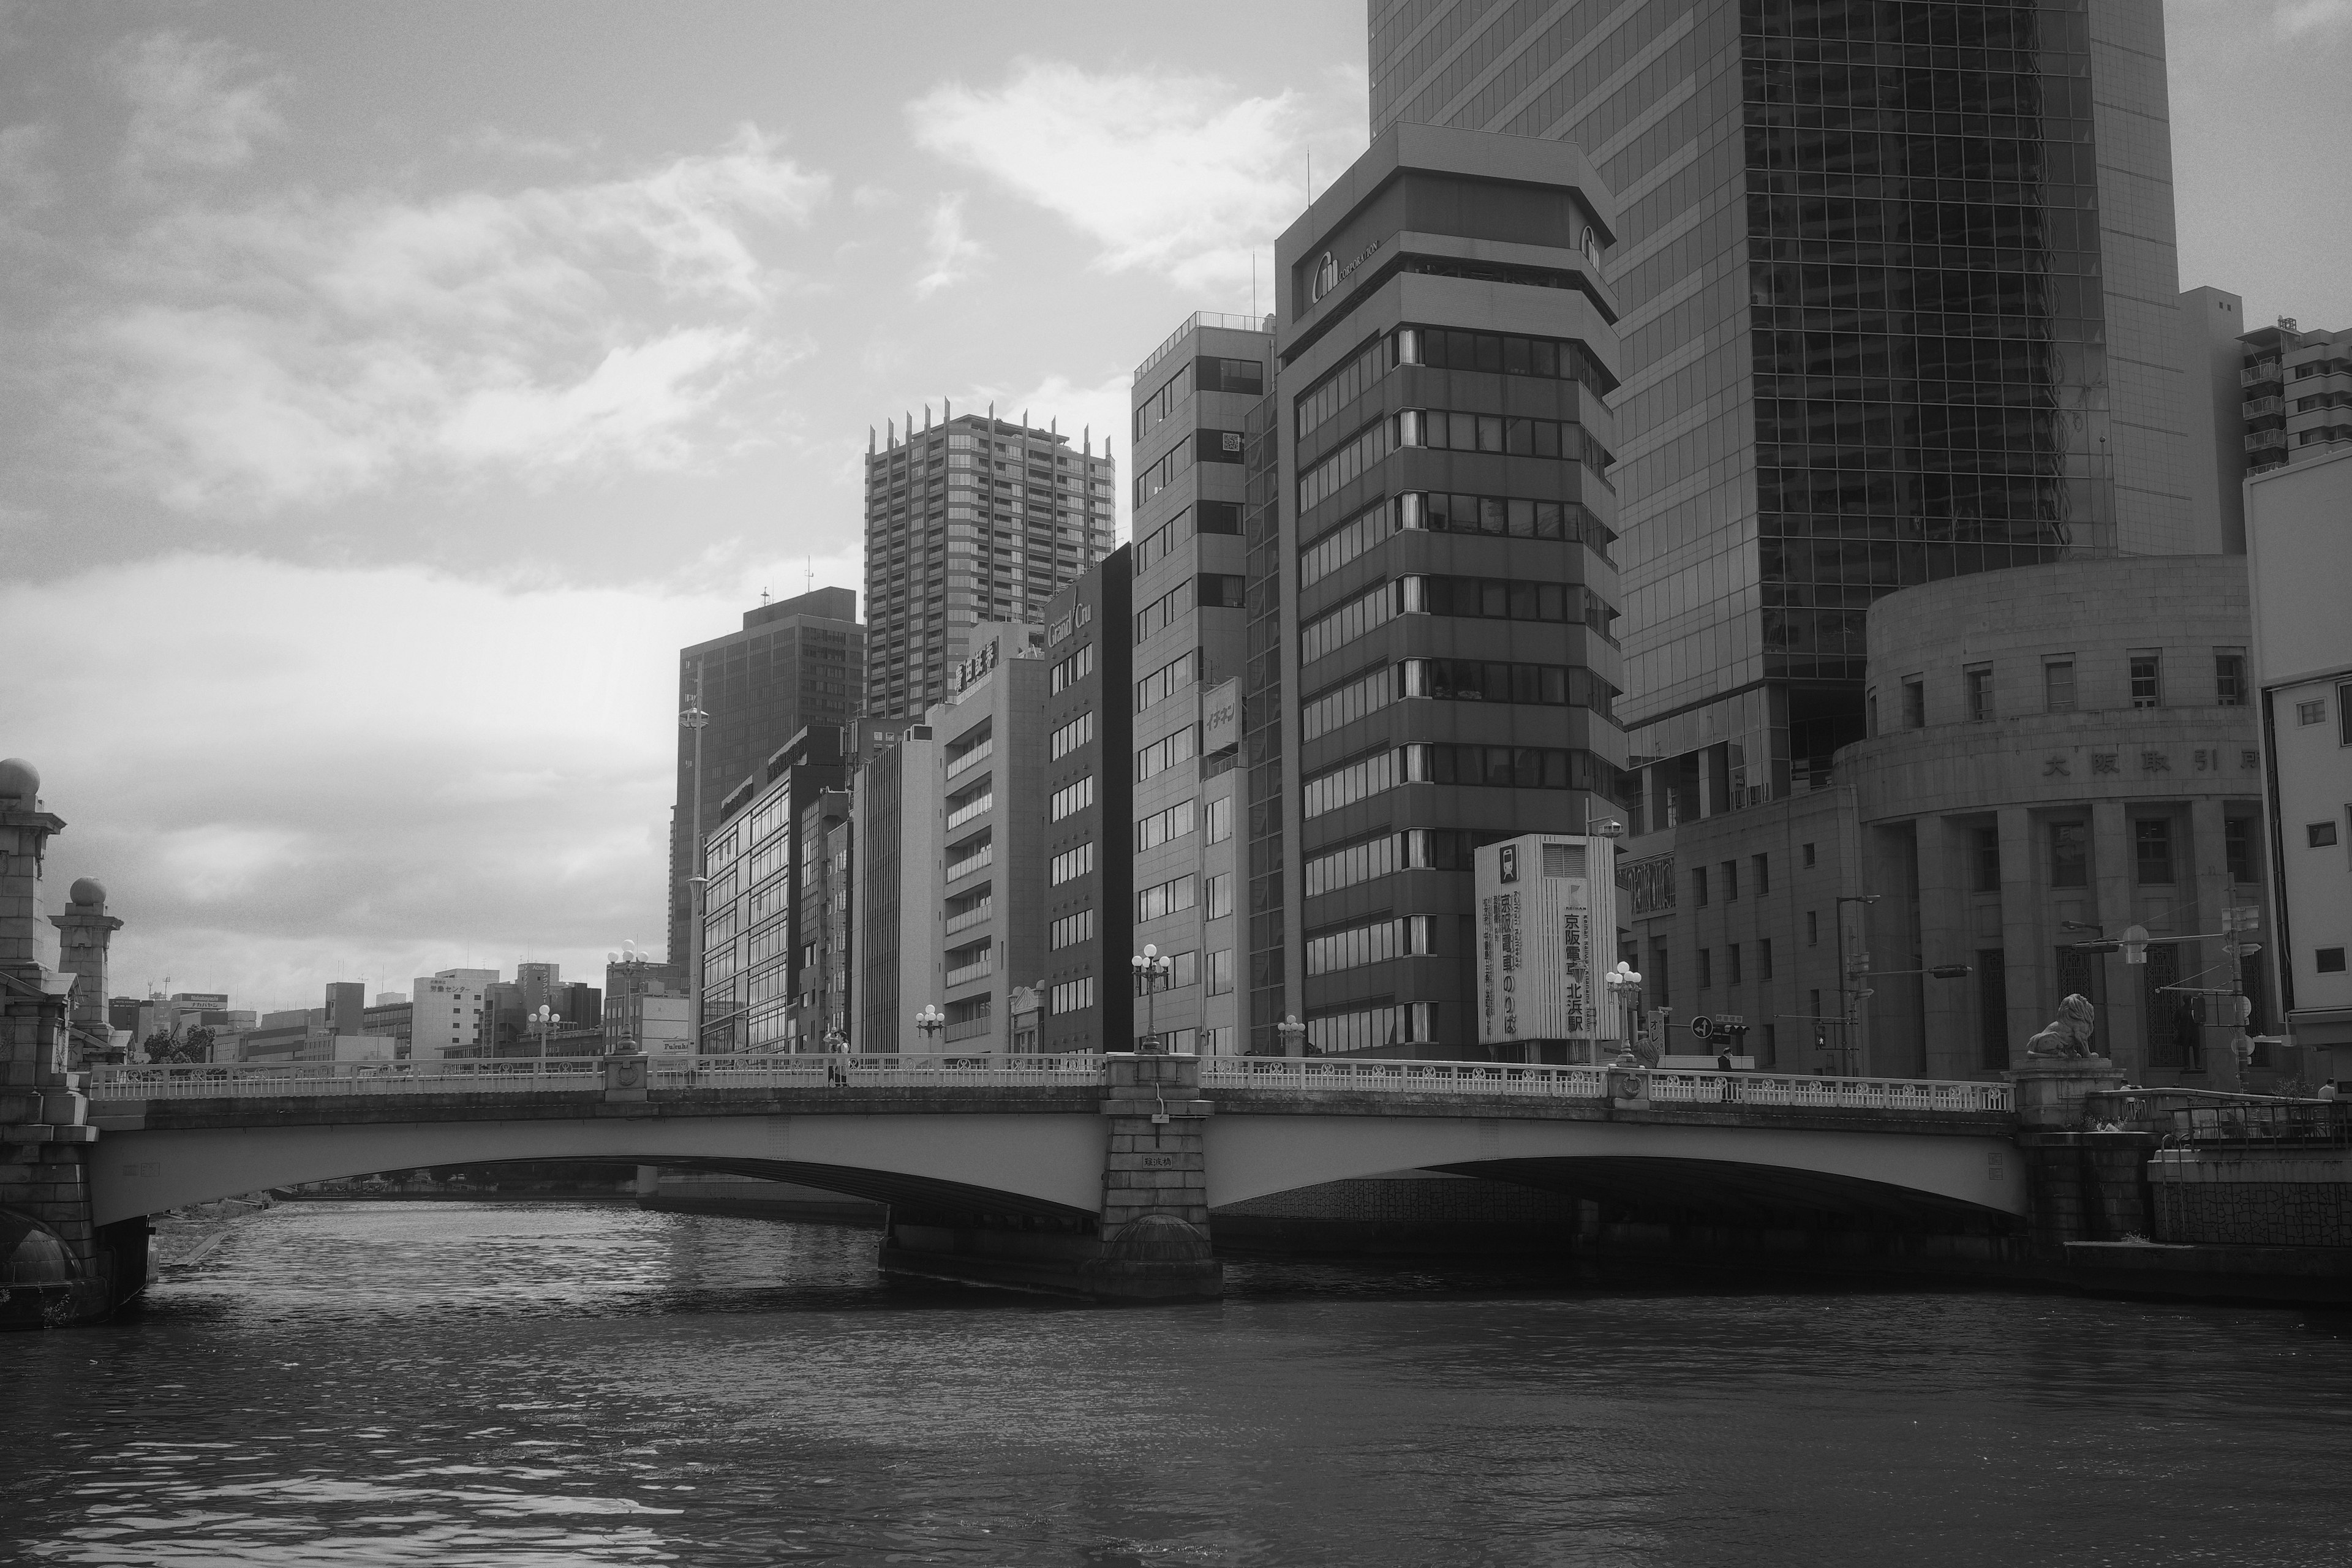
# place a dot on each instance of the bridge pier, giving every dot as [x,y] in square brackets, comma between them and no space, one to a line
[2081,1185]
[1149,1240]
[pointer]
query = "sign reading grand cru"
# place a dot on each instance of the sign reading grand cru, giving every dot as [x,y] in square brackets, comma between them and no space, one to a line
[1547,927]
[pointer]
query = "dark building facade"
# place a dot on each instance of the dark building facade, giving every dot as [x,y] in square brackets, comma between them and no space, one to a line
[1900,305]
[1429,618]
[1088,996]
[794,663]
[757,957]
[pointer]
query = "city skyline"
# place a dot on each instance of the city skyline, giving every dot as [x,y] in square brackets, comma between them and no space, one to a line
[239,800]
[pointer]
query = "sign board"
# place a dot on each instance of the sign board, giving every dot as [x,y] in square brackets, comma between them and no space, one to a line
[1547,930]
[1220,718]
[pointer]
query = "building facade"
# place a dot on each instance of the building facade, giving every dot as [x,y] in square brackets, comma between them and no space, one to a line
[895,835]
[1091,697]
[973,519]
[794,664]
[1429,623]
[2299,554]
[1900,304]
[754,966]
[2297,395]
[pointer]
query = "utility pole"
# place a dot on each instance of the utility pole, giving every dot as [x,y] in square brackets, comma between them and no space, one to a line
[695,719]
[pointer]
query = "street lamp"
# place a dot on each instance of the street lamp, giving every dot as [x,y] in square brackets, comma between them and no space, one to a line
[1292,1033]
[693,718]
[1624,984]
[546,1021]
[1153,970]
[930,1020]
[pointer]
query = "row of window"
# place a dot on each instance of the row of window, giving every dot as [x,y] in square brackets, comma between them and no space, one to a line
[1071,736]
[1321,403]
[1474,598]
[1734,973]
[1205,517]
[1208,373]
[1377,941]
[1172,897]
[1440,511]
[2144,672]
[1202,446]
[1071,671]
[1167,752]
[1453,679]
[1152,831]
[1497,767]
[1350,461]
[1072,996]
[1071,930]
[1363,1028]
[1208,590]
[1175,676]
[1445,430]
[1368,859]
[1071,798]
[1071,864]
[1727,883]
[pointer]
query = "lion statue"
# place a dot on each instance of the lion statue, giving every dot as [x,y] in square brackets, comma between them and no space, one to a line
[2068,1034]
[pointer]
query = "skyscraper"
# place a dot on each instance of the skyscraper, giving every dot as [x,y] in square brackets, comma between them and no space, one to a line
[795,663]
[1899,291]
[975,519]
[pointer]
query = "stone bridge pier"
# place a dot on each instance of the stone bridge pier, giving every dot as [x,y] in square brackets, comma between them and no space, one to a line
[1148,1242]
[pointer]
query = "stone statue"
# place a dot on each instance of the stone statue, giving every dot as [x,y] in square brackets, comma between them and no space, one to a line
[1645,1045]
[2068,1034]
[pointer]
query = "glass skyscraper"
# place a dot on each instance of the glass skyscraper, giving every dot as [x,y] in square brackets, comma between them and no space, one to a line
[1899,293]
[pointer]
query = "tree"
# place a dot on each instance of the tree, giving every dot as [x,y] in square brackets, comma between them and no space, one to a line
[158,1045]
[198,1046]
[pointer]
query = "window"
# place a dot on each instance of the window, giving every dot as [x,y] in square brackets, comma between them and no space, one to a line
[1344,466]
[1761,865]
[1808,855]
[1076,668]
[2319,835]
[1070,798]
[2230,677]
[2152,850]
[1516,517]
[1329,871]
[1169,898]
[1221,972]
[1071,930]
[1344,624]
[1167,679]
[1698,885]
[1730,882]
[1150,832]
[1220,901]
[1335,1033]
[1071,736]
[1347,784]
[2147,666]
[1813,928]
[1914,703]
[1353,947]
[2070,860]
[1322,402]
[1492,681]
[1165,611]
[2313,712]
[2344,713]
[1072,996]
[1764,958]
[1987,858]
[1155,546]
[1349,700]
[1441,430]
[1221,820]
[1183,969]
[2058,685]
[1976,684]
[1168,752]
[1706,969]
[2328,960]
[2238,848]
[1071,864]
[1502,599]
[1731,964]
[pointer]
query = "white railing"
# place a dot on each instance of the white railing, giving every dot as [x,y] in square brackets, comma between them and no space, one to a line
[980,968]
[984,857]
[979,753]
[978,806]
[922,1071]
[965,920]
[1295,1074]
[261,1080]
[1860,1093]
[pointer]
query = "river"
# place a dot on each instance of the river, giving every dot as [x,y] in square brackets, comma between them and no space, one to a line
[539,1385]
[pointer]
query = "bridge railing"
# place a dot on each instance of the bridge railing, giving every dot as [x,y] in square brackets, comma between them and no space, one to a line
[1859,1094]
[918,1071]
[262,1081]
[1295,1074]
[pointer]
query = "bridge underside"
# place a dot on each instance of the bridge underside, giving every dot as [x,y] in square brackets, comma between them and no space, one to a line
[1728,1193]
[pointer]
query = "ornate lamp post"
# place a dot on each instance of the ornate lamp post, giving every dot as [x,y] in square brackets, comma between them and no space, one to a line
[1152,971]
[546,1021]
[931,1021]
[1293,1036]
[693,718]
[1625,989]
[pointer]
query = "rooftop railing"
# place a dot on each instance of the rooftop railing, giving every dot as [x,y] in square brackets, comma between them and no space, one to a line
[1193,323]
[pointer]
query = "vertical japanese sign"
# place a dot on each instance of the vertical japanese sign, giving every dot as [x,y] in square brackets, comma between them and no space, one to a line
[1547,925]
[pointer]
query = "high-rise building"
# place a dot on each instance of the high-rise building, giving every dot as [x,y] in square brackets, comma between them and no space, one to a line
[975,519]
[755,952]
[2298,393]
[1089,724]
[1427,526]
[797,662]
[1900,304]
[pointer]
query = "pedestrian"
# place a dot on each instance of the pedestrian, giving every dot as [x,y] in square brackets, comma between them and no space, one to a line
[1723,1059]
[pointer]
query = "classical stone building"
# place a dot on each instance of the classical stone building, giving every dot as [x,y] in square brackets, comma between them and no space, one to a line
[2055,753]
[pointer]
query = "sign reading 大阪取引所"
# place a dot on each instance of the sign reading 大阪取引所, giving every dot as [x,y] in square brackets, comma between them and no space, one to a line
[1547,921]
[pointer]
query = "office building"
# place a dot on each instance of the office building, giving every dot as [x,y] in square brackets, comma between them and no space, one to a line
[821,893]
[449,1014]
[895,832]
[1088,1002]
[392,1015]
[973,519]
[1192,399]
[753,961]
[1900,304]
[1427,526]
[655,1022]
[794,664]
[2299,556]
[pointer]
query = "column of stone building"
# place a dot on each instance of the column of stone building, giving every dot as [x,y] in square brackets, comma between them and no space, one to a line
[2122,1026]
[85,931]
[1948,1050]
[2209,861]
[2025,957]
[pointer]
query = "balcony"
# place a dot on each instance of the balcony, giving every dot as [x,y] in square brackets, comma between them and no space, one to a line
[2261,407]
[2263,440]
[968,1030]
[2255,374]
[980,968]
[967,919]
[978,754]
[979,860]
[972,809]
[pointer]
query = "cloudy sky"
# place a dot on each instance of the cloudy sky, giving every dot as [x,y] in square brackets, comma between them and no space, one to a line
[388,391]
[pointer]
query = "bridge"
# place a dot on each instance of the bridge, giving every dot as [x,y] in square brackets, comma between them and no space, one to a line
[1097,1175]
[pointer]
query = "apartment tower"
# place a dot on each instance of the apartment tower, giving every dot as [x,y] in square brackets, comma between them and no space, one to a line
[975,519]
[1900,301]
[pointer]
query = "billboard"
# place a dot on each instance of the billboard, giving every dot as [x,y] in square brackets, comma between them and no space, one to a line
[1546,932]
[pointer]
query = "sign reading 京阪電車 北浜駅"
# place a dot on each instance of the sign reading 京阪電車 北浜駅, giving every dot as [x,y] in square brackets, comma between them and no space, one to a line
[1547,919]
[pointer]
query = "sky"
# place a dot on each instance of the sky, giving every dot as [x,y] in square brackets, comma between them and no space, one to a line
[387,393]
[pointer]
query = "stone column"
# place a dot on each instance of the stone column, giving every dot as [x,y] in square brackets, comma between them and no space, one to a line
[84,932]
[2208,891]
[1155,1208]
[2025,955]
[2122,1026]
[1948,1049]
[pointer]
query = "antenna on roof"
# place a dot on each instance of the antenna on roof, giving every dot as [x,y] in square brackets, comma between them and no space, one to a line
[808,573]
[763,594]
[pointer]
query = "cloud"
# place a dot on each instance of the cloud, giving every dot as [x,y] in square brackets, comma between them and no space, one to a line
[1171,173]
[24,176]
[188,110]
[299,349]
[952,253]
[2299,16]
[287,775]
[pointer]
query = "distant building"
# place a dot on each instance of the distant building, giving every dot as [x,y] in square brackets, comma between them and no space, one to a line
[451,1014]
[822,893]
[976,520]
[1087,990]
[393,1020]
[637,976]
[755,956]
[2299,554]
[794,664]
[657,1022]
[896,838]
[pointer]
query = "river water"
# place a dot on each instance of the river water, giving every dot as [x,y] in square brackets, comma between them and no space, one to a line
[409,1383]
